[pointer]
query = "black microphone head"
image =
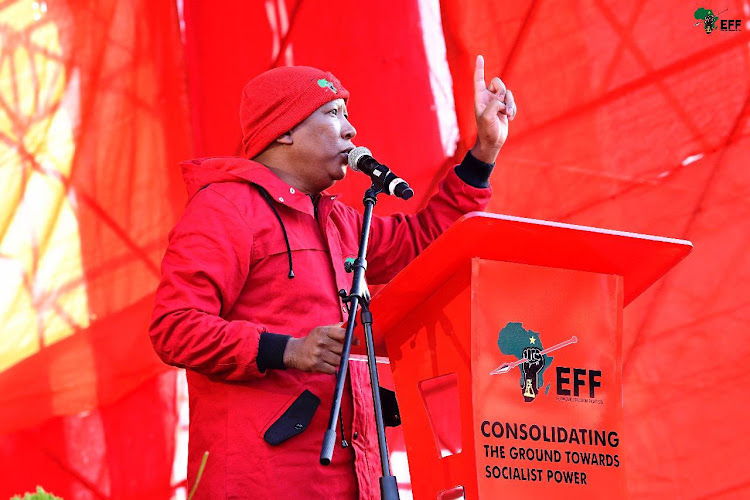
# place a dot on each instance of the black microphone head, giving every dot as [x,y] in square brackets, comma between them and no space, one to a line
[357,154]
[406,193]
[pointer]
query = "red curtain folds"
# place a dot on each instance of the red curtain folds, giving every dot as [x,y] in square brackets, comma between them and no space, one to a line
[93,121]
[633,118]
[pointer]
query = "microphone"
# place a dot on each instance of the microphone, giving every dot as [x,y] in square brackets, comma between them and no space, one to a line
[361,160]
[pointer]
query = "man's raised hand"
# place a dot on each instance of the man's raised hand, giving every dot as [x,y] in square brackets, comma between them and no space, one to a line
[494,107]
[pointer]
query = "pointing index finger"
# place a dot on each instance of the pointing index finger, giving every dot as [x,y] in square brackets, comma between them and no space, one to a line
[479,83]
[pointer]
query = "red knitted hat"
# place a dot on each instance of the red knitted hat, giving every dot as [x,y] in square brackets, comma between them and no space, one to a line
[277,100]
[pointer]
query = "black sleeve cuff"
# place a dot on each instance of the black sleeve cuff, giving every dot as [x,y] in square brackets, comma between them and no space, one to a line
[474,172]
[271,351]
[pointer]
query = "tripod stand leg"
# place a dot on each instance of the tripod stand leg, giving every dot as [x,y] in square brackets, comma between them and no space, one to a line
[329,438]
[388,484]
[388,488]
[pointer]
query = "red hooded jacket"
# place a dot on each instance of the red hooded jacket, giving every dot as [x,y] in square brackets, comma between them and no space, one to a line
[225,284]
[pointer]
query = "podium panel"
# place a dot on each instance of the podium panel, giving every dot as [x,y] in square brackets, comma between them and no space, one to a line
[550,426]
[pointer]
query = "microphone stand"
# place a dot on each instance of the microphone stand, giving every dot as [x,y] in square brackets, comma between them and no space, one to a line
[359,297]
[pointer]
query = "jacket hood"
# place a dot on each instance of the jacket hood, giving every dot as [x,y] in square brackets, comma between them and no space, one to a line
[200,172]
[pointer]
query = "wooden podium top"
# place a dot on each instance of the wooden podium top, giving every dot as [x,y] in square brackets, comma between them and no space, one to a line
[640,259]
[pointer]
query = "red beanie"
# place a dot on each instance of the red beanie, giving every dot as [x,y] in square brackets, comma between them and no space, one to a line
[277,100]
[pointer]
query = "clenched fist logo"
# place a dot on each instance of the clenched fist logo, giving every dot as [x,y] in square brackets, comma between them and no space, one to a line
[530,369]
[531,358]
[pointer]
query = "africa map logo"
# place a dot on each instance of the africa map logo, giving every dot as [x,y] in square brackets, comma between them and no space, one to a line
[526,346]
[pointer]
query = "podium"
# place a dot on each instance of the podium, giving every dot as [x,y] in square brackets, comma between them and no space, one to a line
[504,338]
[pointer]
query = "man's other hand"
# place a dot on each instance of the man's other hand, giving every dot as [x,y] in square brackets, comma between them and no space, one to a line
[319,351]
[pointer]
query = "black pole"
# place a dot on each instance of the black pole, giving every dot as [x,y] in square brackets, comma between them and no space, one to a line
[388,484]
[329,438]
[359,296]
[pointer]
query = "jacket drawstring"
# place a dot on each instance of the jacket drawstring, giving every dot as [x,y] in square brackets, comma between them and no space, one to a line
[267,197]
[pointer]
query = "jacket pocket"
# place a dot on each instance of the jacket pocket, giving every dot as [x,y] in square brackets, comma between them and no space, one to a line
[272,241]
[294,420]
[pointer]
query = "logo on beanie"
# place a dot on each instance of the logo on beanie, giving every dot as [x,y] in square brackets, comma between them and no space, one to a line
[326,84]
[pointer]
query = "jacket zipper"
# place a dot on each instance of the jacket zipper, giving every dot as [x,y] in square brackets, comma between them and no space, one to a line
[315,206]
[344,443]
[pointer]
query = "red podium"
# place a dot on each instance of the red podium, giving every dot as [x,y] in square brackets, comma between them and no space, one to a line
[504,338]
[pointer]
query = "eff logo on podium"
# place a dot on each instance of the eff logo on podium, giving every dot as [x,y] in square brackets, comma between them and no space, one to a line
[532,359]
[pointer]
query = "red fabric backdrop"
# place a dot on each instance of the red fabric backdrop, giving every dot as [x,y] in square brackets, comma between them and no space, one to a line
[94,117]
[630,118]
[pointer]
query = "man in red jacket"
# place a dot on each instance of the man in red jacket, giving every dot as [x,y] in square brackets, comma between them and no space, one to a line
[248,302]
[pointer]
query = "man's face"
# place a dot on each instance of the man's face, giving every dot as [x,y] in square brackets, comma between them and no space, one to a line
[321,144]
